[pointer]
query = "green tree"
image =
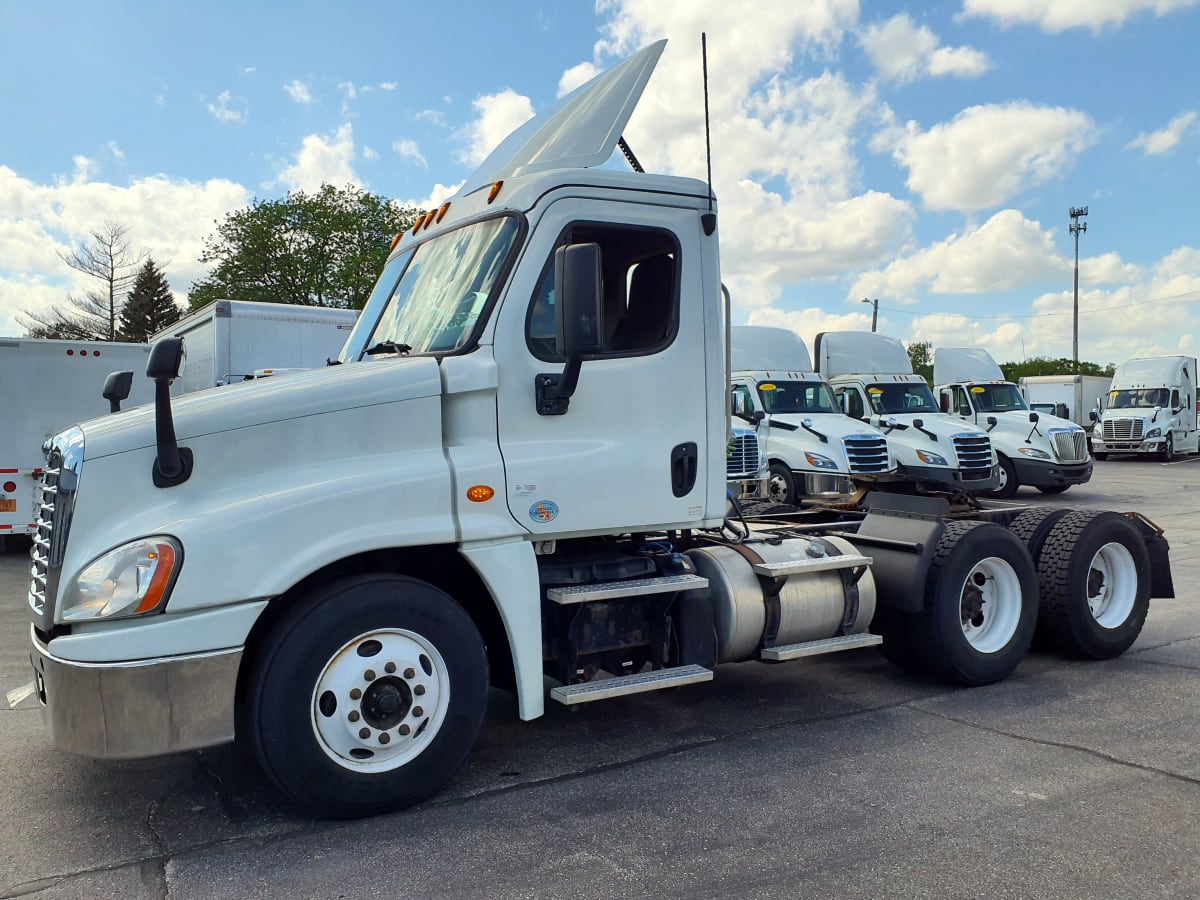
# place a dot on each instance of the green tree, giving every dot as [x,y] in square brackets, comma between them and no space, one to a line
[920,354]
[95,315]
[1042,365]
[150,307]
[321,249]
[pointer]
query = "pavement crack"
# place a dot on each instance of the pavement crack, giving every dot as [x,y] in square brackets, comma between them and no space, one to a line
[1062,745]
[235,812]
[1172,665]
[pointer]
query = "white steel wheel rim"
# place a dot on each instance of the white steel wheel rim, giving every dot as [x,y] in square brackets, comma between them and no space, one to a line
[380,700]
[1112,585]
[1003,478]
[990,604]
[777,489]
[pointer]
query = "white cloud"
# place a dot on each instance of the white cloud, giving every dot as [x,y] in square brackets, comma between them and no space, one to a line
[249,70]
[1060,15]
[575,76]
[228,108]
[348,89]
[988,154]
[1155,143]
[433,116]
[321,159]
[497,115]
[408,151]
[900,51]
[370,153]
[439,194]
[114,150]
[388,85]
[299,93]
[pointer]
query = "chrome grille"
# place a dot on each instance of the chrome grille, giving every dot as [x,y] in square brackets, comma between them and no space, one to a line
[866,452]
[743,459]
[1123,429]
[1070,445]
[58,486]
[974,451]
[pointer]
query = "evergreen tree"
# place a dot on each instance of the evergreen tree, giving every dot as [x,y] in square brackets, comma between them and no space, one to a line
[150,307]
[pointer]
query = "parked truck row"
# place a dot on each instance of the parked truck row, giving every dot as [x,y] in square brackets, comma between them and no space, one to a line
[511,504]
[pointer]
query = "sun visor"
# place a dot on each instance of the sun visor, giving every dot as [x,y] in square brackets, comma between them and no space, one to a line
[759,348]
[953,365]
[579,132]
[860,353]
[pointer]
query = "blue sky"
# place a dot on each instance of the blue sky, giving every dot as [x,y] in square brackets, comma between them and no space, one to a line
[925,155]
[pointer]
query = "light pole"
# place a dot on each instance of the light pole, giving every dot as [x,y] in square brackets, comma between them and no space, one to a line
[1076,229]
[875,304]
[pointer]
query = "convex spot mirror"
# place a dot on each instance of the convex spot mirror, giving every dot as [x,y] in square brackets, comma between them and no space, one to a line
[167,359]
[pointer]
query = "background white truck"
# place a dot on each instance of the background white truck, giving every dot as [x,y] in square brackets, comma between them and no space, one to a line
[510,499]
[873,380]
[812,447]
[1032,448]
[1151,409]
[46,386]
[230,340]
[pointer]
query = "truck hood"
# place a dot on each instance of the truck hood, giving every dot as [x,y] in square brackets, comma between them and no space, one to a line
[942,425]
[262,401]
[835,425]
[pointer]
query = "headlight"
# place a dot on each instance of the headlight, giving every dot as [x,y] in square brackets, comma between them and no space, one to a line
[932,458]
[820,462]
[1154,432]
[131,580]
[1034,454]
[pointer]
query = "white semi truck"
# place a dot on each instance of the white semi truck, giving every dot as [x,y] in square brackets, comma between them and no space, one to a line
[1151,409]
[503,497]
[234,340]
[873,380]
[812,447]
[1033,448]
[49,385]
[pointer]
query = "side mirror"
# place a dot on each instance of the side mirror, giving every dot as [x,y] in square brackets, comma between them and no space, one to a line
[918,423]
[116,388]
[1093,416]
[992,421]
[578,323]
[1033,417]
[173,464]
[944,399]
[737,403]
[166,360]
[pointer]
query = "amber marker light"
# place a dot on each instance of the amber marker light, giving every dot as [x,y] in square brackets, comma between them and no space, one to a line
[165,554]
[495,191]
[480,493]
[395,241]
[442,212]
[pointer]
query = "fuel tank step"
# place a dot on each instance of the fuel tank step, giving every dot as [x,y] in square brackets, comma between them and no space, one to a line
[632,587]
[825,645]
[630,684]
[812,564]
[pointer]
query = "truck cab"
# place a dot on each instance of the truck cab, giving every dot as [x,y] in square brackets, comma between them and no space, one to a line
[1151,409]
[1033,448]
[873,381]
[812,447]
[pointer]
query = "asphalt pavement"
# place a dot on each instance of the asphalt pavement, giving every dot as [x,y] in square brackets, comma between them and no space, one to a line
[838,776]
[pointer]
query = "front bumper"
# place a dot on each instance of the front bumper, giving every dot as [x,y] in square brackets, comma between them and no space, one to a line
[1154,445]
[951,478]
[1044,474]
[135,709]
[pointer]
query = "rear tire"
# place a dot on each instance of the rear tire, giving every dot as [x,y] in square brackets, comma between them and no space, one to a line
[781,486]
[367,696]
[980,605]
[1094,571]
[1008,479]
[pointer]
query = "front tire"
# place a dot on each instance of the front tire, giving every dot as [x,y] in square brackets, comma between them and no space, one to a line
[1054,489]
[1008,479]
[781,485]
[980,605]
[367,696]
[1168,449]
[1100,457]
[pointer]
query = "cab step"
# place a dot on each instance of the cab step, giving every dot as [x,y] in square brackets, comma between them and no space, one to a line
[787,567]
[816,648]
[657,680]
[633,587]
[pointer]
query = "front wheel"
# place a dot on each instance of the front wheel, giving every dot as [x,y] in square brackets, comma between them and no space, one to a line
[1054,489]
[1008,480]
[781,485]
[980,605]
[1168,450]
[1099,457]
[367,696]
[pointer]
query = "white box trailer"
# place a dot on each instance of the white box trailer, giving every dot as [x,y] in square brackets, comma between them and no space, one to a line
[49,386]
[232,340]
[1070,397]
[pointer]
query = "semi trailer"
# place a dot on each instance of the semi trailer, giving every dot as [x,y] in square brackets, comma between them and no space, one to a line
[507,499]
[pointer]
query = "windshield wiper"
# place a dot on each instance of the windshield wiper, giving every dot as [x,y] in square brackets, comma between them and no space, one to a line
[388,347]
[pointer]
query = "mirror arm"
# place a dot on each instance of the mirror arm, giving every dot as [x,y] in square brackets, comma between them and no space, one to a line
[555,389]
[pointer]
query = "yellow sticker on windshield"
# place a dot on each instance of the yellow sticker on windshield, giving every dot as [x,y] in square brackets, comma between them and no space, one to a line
[875,392]
[976,390]
[1113,393]
[766,387]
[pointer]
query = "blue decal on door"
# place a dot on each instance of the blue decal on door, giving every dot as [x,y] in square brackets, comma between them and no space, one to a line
[544,511]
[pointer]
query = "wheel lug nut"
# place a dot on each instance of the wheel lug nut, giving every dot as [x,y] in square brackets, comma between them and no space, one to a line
[390,668]
[355,694]
[410,672]
[404,729]
[384,738]
[354,716]
[419,690]
[369,675]
[418,712]
[364,732]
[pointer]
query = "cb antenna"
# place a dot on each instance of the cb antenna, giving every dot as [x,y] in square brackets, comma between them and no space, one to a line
[707,135]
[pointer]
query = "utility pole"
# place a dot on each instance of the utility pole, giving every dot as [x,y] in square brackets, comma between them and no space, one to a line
[875,303]
[1077,228]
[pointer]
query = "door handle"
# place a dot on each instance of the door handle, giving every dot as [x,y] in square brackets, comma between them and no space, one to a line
[684,460]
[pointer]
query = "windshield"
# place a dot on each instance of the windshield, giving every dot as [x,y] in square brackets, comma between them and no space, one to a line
[1142,398]
[795,397]
[910,397]
[443,287]
[998,398]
